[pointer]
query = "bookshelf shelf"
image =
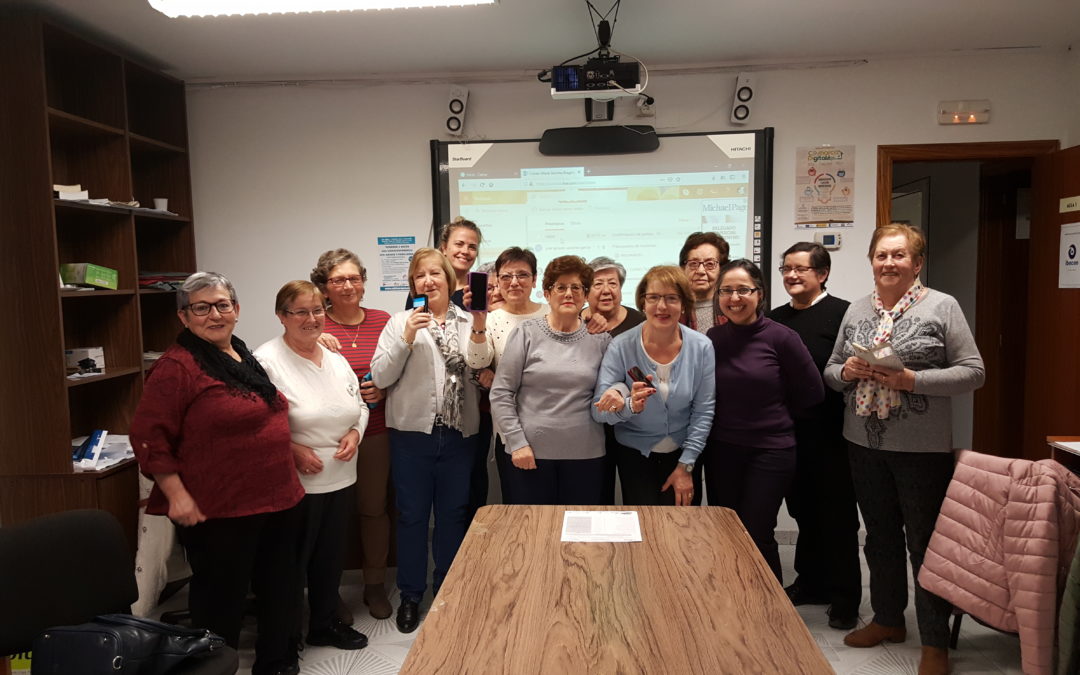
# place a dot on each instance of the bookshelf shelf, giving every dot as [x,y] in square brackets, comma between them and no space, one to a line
[83,113]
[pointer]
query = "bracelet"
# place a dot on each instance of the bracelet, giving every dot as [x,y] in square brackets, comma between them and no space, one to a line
[479,332]
[407,343]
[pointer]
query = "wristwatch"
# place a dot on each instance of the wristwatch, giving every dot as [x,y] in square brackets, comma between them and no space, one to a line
[689,467]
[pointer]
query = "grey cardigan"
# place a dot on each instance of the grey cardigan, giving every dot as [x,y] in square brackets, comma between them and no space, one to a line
[408,374]
[934,340]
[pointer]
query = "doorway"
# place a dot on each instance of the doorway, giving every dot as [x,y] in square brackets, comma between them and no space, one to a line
[973,201]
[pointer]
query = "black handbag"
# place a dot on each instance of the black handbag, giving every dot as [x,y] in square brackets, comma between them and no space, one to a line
[114,644]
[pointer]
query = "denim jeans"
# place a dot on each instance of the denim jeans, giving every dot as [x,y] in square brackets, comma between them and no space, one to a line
[430,471]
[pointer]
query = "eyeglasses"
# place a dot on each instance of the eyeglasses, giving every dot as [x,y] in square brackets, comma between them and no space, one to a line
[576,289]
[338,282]
[203,308]
[612,284]
[509,277]
[305,313]
[653,298]
[799,269]
[709,265]
[741,291]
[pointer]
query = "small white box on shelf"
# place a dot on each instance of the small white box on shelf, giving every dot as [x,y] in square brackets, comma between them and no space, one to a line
[85,359]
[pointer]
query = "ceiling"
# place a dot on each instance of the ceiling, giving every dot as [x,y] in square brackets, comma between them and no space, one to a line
[528,35]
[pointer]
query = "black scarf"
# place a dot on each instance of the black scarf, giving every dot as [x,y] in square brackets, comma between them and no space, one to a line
[245,377]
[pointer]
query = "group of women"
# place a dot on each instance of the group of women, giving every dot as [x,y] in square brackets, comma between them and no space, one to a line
[256,456]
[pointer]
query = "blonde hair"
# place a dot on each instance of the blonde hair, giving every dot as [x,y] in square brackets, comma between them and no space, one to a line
[448,229]
[916,241]
[423,254]
[666,275]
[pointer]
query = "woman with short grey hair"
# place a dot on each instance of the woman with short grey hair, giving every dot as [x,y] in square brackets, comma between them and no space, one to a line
[605,312]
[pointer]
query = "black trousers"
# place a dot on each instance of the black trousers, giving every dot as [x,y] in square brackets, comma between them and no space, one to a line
[753,482]
[559,481]
[478,480]
[642,477]
[900,495]
[322,551]
[822,502]
[230,555]
[618,456]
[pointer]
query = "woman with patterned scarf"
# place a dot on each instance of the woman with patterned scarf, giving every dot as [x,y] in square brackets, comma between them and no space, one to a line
[423,362]
[898,424]
[212,431]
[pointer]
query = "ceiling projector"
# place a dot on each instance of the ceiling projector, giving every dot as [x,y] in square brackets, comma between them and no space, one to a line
[600,78]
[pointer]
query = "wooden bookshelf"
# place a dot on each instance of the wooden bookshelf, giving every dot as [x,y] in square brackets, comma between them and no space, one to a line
[81,112]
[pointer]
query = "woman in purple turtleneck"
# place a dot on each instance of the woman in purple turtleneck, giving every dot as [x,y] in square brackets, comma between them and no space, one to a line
[764,379]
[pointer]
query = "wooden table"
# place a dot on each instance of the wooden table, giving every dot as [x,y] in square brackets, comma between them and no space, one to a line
[694,596]
[1066,458]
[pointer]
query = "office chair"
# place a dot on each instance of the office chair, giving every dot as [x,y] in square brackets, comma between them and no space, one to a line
[66,568]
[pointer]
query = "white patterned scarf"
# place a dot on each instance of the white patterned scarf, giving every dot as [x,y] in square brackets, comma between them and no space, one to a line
[453,400]
[872,397]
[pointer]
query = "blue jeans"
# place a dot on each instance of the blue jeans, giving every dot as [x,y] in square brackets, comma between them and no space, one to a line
[429,471]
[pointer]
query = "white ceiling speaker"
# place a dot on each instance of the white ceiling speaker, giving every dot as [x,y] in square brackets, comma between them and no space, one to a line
[455,110]
[742,102]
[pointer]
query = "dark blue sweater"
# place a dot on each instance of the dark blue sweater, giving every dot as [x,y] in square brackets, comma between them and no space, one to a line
[764,378]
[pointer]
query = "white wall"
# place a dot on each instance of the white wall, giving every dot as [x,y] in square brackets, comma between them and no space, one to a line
[282,173]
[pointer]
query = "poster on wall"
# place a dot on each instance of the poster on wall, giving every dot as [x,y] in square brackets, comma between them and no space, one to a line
[1069,271]
[825,186]
[394,256]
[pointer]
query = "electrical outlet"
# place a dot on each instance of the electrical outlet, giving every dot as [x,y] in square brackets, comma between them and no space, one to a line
[646,110]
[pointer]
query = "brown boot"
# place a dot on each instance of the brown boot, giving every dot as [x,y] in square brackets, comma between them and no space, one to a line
[934,661]
[873,634]
[377,602]
[343,613]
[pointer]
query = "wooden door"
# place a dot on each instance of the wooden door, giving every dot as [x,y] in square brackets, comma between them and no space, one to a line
[1052,387]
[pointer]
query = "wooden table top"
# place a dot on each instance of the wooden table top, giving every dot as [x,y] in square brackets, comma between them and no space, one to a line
[694,596]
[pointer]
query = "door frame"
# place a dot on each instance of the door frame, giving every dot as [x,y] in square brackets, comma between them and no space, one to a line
[987,418]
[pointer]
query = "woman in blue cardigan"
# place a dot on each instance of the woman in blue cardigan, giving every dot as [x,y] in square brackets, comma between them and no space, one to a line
[661,423]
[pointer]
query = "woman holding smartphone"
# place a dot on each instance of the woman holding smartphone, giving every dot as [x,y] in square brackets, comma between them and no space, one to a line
[668,371]
[431,409]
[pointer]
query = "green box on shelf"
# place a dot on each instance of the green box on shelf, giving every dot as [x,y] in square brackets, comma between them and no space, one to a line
[89,274]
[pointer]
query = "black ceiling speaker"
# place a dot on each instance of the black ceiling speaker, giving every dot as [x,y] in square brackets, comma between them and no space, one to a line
[614,140]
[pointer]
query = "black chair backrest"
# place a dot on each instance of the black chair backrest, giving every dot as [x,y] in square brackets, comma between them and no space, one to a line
[61,569]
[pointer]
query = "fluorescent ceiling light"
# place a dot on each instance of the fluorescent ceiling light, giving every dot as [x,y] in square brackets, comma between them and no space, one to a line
[175,8]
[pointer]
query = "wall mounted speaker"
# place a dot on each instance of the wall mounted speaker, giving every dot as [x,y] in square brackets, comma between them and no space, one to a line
[742,103]
[455,110]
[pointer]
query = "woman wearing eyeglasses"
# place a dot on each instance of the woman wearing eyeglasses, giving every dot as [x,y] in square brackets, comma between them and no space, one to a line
[327,419]
[662,426]
[212,430]
[542,395]
[422,361]
[701,257]
[353,331]
[765,377]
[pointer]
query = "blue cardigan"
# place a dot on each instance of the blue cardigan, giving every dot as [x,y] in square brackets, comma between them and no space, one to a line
[687,414]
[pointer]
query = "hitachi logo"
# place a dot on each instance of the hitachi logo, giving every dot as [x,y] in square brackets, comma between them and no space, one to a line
[743,148]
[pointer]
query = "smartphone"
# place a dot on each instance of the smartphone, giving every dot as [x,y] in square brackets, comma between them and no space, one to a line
[367,378]
[638,376]
[478,286]
[421,302]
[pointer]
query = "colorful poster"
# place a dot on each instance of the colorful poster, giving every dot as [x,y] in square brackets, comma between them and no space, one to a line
[394,256]
[825,185]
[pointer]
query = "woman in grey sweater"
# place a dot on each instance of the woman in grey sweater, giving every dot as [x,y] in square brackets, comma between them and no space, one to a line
[542,395]
[898,423]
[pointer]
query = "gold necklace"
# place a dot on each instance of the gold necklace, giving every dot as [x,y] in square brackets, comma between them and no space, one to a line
[359,327]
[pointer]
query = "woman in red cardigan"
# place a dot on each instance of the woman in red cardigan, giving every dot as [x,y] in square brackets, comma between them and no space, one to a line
[213,433]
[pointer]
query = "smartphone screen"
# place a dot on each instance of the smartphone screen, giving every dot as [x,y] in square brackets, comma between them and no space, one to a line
[478,286]
[420,301]
[636,374]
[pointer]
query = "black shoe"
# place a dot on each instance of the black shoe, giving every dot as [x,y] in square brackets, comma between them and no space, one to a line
[800,596]
[408,615]
[337,634]
[843,620]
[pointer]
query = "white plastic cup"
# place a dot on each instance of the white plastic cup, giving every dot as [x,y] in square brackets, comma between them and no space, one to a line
[161,203]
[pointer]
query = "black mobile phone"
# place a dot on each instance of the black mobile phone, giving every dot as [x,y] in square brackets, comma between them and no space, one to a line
[420,301]
[478,286]
[638,376]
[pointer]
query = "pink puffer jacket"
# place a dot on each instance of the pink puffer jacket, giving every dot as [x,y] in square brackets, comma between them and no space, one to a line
[1002,546]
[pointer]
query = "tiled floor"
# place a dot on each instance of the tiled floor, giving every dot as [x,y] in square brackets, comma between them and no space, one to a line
[981,650]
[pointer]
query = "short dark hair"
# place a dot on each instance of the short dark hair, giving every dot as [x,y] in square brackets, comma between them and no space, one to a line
[516,254]
[697,239]
[755,275]
[320,274]
[567,264]
[819,257]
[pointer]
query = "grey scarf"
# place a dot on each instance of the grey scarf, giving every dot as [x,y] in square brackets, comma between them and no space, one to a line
[454,384]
